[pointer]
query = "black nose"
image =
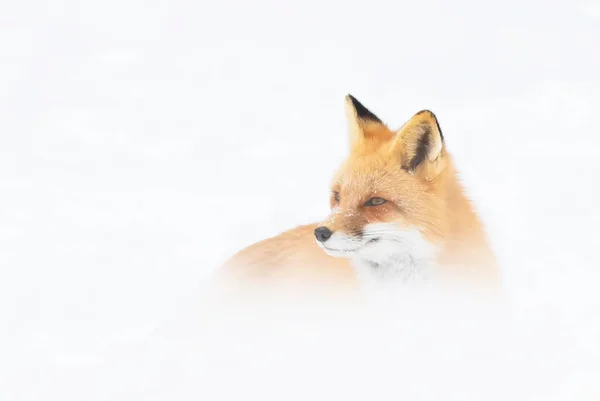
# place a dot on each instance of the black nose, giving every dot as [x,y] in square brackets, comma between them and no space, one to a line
[322,233]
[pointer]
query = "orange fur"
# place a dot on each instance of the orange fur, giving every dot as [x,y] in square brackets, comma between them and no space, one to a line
[291,257]
[413,172]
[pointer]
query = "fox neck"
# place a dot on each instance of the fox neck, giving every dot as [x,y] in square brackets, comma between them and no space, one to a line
[401,270]
[390,262]
[464,244]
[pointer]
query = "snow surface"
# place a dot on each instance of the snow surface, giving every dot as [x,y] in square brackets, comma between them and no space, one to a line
[143,142]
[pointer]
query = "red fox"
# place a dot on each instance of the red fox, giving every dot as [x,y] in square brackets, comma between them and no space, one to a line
[397,211]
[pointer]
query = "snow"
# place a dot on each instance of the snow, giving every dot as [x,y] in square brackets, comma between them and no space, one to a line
[142,143]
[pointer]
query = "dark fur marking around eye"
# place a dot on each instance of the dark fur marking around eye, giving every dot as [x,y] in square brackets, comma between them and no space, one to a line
[362,112]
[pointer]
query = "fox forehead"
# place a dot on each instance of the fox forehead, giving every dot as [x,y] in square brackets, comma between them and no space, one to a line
[372,175]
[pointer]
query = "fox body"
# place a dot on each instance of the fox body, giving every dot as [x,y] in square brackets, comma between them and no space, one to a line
[398,211]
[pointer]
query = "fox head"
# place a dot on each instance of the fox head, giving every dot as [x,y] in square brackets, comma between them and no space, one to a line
[389,197]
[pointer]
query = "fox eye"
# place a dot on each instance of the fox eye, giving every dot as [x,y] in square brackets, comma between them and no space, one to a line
[375,202]
[336,196]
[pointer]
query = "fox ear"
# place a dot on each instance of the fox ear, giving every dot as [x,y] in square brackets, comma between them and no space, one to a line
[420,144]
[359,119]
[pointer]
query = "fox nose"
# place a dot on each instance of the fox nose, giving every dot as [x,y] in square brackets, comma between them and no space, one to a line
[322,234]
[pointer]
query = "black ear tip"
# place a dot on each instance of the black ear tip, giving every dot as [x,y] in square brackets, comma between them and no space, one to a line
[357,105]
[426,111]
[433,117]
[361,111]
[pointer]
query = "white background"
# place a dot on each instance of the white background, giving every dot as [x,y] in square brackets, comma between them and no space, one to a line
[143,142]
